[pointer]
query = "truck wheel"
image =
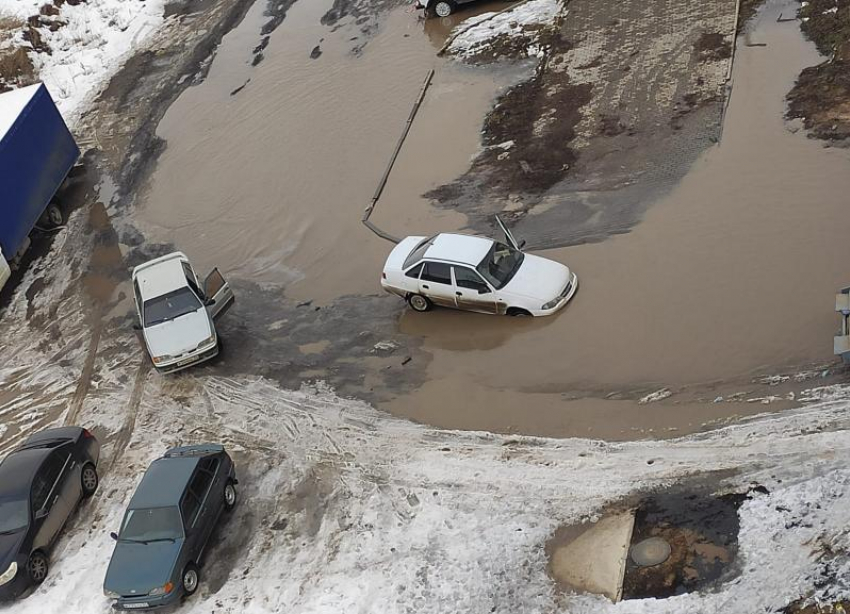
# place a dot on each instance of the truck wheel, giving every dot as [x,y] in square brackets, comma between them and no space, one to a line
[54,215]
[444,8]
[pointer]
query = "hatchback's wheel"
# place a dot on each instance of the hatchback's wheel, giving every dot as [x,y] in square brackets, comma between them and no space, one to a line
[229,495]
[518,313]
[419,303]
[443,8]
[89,480]
[37,567]
[191,578]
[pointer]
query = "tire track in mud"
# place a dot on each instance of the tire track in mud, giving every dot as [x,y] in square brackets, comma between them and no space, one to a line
[84,383]
[125,433]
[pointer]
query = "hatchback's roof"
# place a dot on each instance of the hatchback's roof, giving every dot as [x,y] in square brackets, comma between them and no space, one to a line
[18,470]
[160,276]
[164,482]
[459,248]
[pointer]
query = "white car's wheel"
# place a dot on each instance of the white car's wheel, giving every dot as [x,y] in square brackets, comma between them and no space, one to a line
[443,8]
[418,303]
[518,312]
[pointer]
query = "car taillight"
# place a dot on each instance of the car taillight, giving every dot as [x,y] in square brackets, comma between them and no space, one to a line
[87,434]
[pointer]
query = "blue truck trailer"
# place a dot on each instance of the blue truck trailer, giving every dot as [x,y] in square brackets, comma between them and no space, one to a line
[37,151]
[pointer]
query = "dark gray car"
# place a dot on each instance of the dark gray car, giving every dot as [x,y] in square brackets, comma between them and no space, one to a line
[167,526]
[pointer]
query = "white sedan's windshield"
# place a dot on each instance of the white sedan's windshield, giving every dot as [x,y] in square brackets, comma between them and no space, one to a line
[500,264]
[170,306]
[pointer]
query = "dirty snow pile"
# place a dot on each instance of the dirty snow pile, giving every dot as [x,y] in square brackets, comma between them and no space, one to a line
[90,42]
[476,36]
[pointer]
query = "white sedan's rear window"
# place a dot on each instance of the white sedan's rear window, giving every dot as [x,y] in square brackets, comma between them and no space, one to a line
[418,252]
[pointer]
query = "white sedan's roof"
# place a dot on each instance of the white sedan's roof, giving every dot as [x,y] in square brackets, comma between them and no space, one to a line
[160,276]
[459,248]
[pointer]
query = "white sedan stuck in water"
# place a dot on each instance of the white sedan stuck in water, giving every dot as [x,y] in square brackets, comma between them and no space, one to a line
[476,274]
[176,313]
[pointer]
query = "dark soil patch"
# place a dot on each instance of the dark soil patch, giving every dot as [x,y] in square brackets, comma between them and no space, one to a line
[518,155]
[16,69]
[827,27]
[703,534]
[712,46]
[799,607]
[821,97]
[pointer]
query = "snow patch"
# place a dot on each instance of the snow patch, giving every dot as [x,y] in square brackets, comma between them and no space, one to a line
[94,42]
[477,35]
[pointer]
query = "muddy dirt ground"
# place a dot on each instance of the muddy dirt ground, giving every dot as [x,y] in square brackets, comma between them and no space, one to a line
[820,96]
[193,149]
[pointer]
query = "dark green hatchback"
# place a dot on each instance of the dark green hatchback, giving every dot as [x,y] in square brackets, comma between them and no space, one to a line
[167,526]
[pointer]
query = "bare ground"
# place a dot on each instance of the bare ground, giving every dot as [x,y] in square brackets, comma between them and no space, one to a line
[821,96]
[624,98]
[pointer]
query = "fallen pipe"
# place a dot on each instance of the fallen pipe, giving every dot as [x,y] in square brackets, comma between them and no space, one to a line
[367,213]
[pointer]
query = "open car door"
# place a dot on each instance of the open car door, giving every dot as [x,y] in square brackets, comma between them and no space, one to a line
[219,295]
[509,237]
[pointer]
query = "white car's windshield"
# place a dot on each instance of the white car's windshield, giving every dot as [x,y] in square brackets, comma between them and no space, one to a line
[500,264]
[170,306]
[152,524]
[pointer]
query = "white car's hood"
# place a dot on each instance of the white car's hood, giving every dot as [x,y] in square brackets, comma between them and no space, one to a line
[538,278]
[179,336]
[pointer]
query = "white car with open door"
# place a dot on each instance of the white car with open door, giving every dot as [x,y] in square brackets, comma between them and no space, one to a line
[176,312]
[477,274]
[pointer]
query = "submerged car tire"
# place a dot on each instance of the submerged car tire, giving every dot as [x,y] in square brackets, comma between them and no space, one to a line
[89,480]
[518,312]
[444,8]
[419,303]
[37,567]
[229,495]
[190,579]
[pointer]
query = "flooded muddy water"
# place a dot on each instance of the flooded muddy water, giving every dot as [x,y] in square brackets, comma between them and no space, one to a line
[732,274]
[267,170]
[269,181]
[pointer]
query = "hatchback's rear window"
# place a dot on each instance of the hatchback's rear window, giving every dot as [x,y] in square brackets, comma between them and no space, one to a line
[418,252]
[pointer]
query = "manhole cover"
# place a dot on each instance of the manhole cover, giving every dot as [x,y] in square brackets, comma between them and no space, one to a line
[649,552]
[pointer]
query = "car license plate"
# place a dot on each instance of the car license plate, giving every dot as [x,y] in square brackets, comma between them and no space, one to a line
[188,361]
[133,606]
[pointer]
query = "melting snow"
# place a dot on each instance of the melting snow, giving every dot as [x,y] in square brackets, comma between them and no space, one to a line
[91,46]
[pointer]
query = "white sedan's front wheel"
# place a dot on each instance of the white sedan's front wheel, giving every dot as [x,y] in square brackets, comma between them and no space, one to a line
[443,8]
[418,303]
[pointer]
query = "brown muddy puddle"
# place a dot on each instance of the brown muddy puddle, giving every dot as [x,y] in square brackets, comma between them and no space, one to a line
[732,274]
[729,277]
[270,183]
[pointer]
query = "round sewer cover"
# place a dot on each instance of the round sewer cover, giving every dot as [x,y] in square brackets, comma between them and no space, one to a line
[649,552]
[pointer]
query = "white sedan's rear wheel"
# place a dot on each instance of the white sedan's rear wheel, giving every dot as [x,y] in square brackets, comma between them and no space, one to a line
[419,303]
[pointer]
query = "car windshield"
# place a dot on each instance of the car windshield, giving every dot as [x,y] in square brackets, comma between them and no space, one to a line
[500,264]
[151,524]
[14,515]
[170,306]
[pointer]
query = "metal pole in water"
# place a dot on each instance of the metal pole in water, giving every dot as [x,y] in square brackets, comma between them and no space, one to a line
[383,182]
